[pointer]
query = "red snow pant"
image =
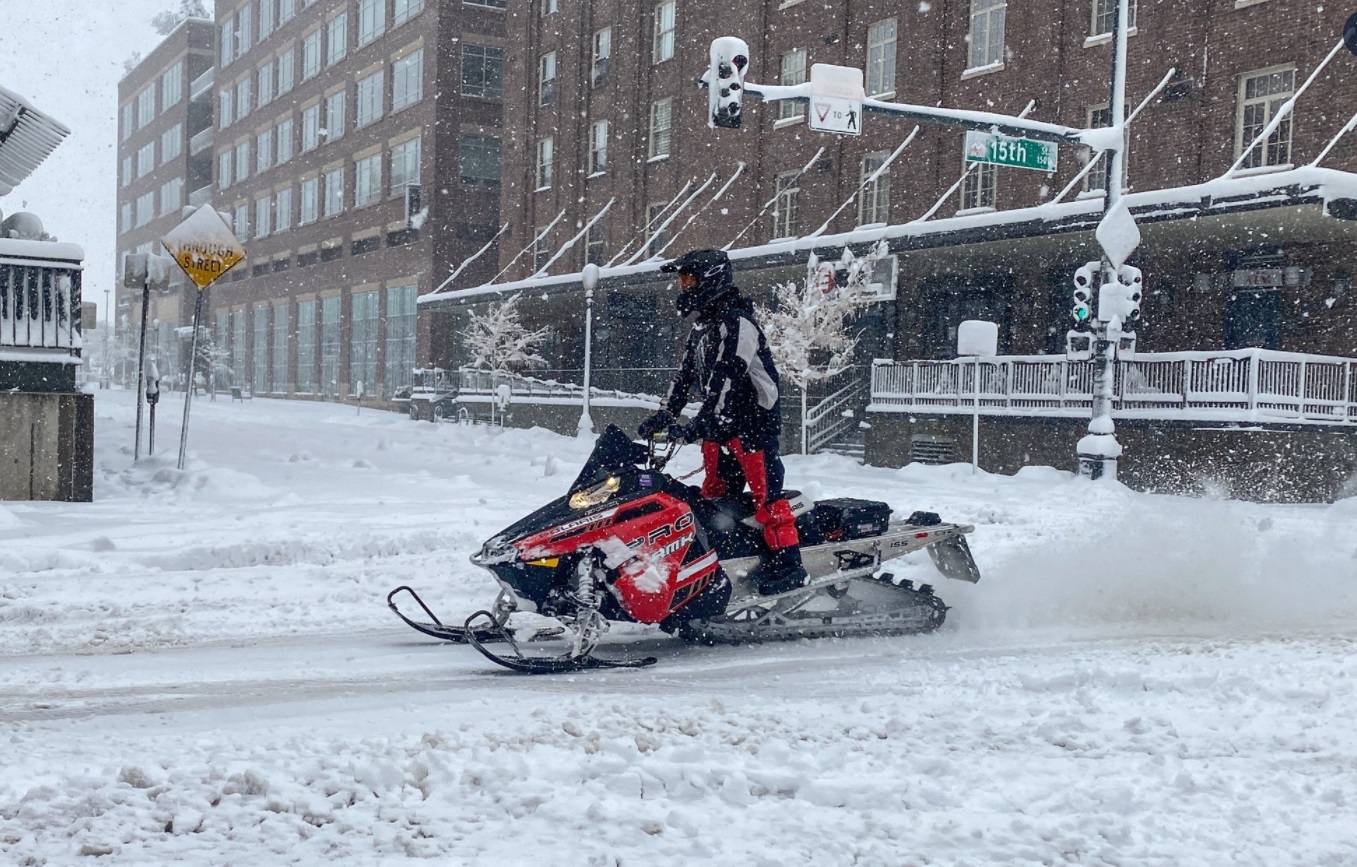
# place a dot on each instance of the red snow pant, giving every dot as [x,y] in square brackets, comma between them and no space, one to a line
[763,472]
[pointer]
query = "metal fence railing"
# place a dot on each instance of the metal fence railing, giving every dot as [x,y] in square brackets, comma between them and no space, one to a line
[1241,384]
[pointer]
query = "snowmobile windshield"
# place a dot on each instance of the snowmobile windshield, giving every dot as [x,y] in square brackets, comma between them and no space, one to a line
[613,454]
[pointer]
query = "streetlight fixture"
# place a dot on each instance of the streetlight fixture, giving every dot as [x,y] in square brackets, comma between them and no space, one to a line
[589,278]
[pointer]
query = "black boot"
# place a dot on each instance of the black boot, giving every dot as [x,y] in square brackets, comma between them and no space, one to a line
[781,572]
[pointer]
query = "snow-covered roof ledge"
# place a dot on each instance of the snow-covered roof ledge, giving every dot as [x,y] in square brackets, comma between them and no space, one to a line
[27,137]
[1336,190]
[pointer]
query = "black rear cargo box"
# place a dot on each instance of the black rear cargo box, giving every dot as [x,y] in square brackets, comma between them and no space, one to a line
[848,518]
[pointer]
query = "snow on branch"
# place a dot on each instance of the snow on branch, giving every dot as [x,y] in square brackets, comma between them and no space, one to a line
[809,326]
[498,341]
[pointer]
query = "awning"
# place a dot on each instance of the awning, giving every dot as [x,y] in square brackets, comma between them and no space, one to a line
[27,137]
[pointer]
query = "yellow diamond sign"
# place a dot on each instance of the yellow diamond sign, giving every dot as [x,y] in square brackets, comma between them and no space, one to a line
[204,246]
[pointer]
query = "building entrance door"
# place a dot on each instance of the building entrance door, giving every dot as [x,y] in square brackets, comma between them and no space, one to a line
[1253,319]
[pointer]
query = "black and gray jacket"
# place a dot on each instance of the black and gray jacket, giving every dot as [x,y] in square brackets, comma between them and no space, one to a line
[727,359]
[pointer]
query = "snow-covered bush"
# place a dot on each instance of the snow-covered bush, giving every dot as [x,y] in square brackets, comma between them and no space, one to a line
[497,340]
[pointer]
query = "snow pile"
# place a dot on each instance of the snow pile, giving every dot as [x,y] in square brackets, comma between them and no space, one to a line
[199,668]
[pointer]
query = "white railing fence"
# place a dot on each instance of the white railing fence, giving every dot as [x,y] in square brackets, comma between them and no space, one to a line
[1237,385]
[485,382]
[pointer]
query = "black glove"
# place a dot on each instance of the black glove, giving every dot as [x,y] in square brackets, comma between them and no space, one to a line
[660,421]
[694,431]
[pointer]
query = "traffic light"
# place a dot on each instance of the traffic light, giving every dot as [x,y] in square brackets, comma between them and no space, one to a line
[1084,281]
[1133,284]
[725,81]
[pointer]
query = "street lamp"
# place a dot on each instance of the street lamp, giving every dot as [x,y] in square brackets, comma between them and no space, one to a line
[589,278]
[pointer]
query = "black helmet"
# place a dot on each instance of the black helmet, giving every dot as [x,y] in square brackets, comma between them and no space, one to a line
[714,278]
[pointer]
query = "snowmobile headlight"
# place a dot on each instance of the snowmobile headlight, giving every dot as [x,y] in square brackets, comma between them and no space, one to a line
[599,493]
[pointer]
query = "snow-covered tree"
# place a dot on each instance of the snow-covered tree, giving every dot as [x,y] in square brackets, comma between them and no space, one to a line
[808,326]
[498,341]
[165,22]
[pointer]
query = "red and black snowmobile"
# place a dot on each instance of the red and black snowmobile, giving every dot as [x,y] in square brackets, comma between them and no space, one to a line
[629,543]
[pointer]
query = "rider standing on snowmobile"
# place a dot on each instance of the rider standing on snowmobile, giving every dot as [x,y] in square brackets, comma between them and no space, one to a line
[726,358]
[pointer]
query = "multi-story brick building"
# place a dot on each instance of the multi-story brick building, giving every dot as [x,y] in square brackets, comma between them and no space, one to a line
[358,167]
[602,109]
[164,163]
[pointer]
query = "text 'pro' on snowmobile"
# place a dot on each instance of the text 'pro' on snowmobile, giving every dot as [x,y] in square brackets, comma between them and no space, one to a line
[629,543]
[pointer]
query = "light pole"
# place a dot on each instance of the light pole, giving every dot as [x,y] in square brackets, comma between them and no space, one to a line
[588,277]
[105,374]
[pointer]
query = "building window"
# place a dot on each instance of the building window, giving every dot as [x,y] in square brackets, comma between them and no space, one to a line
[1096,179]
[371,20]
[490,4]
[240,224]
[309,199]
[266,18]
[283,134]
[874,202]
[656,239]
[224,165]
[549,7]
[238,346]
[1105,16]
[400,337]
[310,54]
[125,217]
[369,103]
[146,106]
[242,160]
[793,72]
[146,159]
[785,205]
[987,33]
[337,39]
[545,154]
[125,122]
[263,151]
[404,10]
[145,209]
[172,85]
[282,210]
[226,108]
[280,331]
[479,159]
[666,23]
[404,166]
[594,245]
[541,251]
[306,347]
[546,79]
[661,127]
[367,180]
[244,29]
[407,80]
[329,346]
[1261,96]
[603,52]
[363,323]
[881,38]
[227,39]
[243,88]
[264,79]
[598,147]
[978,187]
[171,143]
[335,105]
[482,71]
[263,217]
[127,171]
[171,196]
[334,192]
[287,64]
[287,9]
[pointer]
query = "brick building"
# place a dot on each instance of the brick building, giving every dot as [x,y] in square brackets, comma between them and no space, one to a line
[164,151]
[602,108]
[357,167]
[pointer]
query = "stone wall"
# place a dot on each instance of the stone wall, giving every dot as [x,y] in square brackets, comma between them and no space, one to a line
[1264,463]
[46,446]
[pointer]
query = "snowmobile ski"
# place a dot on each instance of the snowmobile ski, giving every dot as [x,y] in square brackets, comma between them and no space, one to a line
[537,664]
[436,628]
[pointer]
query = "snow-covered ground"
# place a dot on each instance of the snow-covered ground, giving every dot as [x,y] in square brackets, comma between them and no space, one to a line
[199,668]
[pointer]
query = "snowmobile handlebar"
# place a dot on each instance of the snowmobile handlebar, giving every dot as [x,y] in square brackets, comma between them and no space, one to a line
[660,450]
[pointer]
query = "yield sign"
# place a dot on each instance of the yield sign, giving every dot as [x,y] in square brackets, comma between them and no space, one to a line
[204,246]
[836,96]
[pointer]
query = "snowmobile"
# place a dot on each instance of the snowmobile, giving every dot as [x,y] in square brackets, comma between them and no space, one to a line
[630,543]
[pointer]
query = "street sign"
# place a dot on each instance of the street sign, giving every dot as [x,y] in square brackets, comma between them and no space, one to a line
[204,246]
[1019,153]
[836,95]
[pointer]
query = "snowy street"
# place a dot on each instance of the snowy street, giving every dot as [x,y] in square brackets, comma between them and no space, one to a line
[199,668]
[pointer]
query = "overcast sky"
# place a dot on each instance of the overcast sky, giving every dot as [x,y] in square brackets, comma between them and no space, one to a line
[66,57]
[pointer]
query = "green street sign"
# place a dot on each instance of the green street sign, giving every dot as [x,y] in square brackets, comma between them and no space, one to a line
[1018,153]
